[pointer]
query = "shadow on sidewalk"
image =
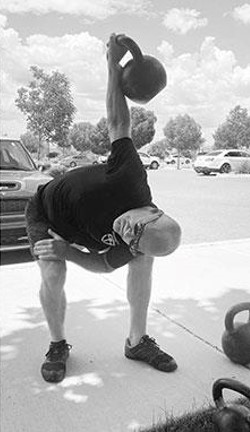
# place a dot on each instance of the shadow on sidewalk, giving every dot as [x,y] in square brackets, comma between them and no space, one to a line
[101,383]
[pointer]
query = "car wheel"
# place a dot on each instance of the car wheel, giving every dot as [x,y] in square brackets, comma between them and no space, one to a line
[226,168]
[72,164]
[154,165]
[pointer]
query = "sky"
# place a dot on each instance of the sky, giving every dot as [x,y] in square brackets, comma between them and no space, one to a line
[203,44]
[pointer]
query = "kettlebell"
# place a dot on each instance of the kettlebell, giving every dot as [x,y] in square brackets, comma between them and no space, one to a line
[143,77]
[234,417]
[236,337]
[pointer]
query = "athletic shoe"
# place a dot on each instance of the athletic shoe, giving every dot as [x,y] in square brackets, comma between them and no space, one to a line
[149,352]
[54,368]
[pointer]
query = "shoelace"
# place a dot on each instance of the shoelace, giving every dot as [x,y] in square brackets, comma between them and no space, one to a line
[55,352]
[153,348]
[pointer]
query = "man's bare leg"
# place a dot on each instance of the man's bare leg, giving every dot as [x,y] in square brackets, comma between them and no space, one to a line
[52,296]
[139,346]
[138,293]
[53,301]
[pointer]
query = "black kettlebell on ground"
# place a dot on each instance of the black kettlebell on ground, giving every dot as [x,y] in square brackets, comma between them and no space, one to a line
[236,338]
[233,417]
[143,77]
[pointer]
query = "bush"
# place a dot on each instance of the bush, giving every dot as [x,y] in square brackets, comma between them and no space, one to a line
[244,168]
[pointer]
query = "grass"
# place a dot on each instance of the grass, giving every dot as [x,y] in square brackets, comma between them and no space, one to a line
[200,421]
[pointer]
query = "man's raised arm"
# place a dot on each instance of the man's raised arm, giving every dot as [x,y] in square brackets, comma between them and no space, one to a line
[118,115]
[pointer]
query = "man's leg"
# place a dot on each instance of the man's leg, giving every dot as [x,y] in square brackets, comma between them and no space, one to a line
[53,301]
[52,296]
[139,346]
[138,294]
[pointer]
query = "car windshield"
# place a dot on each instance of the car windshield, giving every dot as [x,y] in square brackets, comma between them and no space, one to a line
[13,156]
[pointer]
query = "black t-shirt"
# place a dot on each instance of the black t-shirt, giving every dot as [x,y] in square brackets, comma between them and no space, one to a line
[82,205]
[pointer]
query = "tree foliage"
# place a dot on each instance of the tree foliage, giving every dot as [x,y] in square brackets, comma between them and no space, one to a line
[142,126]
[81,136]
[160,148]
[48,106]
[100,137]
[30,141]
[85,136]
[235,131]
[183,133]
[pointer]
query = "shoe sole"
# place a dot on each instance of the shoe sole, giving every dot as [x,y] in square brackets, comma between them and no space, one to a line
[172,365]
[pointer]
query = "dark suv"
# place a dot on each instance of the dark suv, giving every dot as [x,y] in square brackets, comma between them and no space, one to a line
[19,179]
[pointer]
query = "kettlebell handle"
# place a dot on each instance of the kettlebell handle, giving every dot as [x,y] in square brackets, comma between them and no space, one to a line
[229,318]
[230,384]
[131,45]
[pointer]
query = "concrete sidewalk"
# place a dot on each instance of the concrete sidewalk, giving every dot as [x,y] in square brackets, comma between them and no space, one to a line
[104,391]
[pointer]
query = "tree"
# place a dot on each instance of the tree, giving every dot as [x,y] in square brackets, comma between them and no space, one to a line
[81,136]
[100,137]
[96,138]
[142,126]
[30,141]
[159,148]
[183,134]
[47,105]
[235,131]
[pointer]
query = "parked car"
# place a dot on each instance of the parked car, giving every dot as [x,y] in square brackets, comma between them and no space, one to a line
[221,161]
[74,161]
[151,162]
[173,160]
[19,180]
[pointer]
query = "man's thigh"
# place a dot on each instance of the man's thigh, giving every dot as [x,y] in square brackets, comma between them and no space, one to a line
[36,224]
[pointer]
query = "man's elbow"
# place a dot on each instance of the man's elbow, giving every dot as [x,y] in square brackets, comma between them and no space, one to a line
[119,130]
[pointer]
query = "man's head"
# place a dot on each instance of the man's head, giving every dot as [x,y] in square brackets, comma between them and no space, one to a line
[149,231]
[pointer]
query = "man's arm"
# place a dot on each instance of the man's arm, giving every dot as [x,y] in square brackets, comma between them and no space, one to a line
[58,249]
[117,109]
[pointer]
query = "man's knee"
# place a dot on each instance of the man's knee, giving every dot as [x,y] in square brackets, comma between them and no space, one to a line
[53,273]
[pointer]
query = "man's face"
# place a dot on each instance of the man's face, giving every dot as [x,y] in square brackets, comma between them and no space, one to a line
[131,225]
[124,225]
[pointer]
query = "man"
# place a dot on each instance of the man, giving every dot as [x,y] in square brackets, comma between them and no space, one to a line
[108,209]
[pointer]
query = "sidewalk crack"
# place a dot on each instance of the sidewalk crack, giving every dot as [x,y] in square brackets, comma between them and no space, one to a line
[186,329]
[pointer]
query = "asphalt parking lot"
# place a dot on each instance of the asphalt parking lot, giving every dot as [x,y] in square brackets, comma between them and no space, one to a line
[208,208]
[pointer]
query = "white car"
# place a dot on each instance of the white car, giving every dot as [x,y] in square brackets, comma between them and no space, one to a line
[151,162]
[173,160]
[221,161]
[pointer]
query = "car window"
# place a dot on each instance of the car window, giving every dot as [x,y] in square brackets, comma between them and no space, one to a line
[233,154]
[214,153]
[13,156]
[143,154]
[245,154]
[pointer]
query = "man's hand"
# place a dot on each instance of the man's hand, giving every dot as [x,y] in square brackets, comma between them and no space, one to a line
[115,51]
[55,249]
